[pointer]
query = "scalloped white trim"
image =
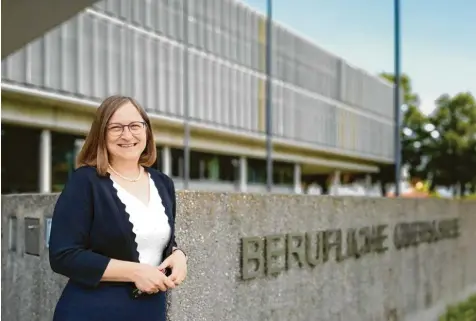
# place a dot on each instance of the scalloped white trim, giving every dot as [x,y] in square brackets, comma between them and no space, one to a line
[149,223]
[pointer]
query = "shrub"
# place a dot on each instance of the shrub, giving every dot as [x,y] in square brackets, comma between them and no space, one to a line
[464,311]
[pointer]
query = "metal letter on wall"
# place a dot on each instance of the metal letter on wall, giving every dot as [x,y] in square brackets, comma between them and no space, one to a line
[32,236]
[275,254]
[272,254]
[252,257]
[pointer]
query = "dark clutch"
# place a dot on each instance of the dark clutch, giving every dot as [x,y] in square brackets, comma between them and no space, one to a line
[136,293]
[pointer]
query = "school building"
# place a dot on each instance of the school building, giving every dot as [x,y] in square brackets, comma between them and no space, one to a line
[330,119]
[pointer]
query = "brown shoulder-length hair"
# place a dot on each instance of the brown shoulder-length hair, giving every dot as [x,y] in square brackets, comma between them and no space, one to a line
[94,151]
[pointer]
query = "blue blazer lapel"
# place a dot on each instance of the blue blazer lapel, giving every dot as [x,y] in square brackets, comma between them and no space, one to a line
[164,195]
[167,202]
[122,218]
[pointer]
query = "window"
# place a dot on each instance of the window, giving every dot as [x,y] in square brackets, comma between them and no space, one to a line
[63,158]
[159,161]
[153,74]
[101,59]
[69,62]
[247,101]
[225,95]
[161,21]
[278,106]
[200,87]
[177,162]
[116,60]
[217,82]
[20,165]
[163,76]
[208,107]
[256,171]
[150,7]
[240,89]
[213,167]
[232,106]
[139,68]
[288,113]
[193,89]
[138,12]
[283,173]
[229,168]
[172,80]
[179,74]
[53,58]
[204,166]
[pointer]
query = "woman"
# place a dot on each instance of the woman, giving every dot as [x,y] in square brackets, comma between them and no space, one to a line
[113,227]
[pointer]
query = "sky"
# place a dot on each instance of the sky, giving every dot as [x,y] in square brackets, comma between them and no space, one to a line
[438,38]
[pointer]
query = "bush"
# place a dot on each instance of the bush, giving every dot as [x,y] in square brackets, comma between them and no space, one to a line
[464,311]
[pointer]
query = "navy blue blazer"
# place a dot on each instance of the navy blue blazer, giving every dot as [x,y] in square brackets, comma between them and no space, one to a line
[90,225]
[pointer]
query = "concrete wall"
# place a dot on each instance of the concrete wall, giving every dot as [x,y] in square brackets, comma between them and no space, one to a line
[410,283]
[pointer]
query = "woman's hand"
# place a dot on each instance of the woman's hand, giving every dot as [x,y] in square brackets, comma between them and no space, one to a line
[148,278]
[177,261]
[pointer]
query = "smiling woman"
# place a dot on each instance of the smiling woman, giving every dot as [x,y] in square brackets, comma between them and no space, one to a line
[110,137]
[113,227]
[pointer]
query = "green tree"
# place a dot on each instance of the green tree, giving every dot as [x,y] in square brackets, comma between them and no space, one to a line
[414,131]
[441,147]
[451,151]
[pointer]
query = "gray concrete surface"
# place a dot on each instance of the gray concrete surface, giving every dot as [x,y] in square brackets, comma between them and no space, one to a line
[411,283]
[25,20]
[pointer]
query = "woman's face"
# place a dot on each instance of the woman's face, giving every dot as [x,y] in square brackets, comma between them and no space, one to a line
[126,135]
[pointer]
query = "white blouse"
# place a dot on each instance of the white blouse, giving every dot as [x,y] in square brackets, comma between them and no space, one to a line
[150,223]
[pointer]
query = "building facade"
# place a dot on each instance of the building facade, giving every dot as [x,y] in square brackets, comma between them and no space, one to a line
[328,116]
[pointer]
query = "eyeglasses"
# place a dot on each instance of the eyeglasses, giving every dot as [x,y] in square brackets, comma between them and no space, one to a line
[135,128]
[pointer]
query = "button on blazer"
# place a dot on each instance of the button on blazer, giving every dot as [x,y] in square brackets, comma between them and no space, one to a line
[90,225]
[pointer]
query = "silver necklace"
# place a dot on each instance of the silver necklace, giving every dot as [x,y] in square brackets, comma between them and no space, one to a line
[126,178]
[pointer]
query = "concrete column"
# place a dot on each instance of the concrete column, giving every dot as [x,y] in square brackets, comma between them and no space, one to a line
[243,174]
[368,184]
[166,161]
[297,179]
[45,162]
[334,190]
[78,145]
